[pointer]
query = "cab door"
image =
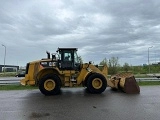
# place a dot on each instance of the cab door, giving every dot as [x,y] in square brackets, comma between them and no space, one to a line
[67,60]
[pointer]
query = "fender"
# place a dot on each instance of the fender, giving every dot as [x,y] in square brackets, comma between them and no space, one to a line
[87,70]
[45,71]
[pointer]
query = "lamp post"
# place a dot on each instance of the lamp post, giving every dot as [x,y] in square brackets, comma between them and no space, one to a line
[4,57]
[148,60]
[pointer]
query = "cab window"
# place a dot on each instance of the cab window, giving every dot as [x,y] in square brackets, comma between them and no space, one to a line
[67,56]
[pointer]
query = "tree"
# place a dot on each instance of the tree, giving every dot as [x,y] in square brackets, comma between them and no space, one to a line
[113,65]
[126,67]
[104,62]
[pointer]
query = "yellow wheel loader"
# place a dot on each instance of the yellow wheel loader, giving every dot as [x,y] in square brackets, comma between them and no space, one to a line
[64,69]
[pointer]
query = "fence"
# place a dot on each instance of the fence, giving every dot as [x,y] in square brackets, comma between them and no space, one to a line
[14,80]
[9,80]
[147,79]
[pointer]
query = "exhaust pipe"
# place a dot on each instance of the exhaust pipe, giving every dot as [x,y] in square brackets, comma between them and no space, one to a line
[48,54]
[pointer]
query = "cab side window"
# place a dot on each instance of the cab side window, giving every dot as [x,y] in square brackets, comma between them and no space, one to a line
[67,56]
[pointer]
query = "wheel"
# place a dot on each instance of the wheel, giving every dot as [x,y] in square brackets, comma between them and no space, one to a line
[96,83]
[50,84]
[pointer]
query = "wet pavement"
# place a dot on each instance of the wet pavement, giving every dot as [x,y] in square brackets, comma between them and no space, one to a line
[77,104]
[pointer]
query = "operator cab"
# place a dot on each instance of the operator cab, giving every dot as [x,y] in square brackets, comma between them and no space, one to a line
[68,59]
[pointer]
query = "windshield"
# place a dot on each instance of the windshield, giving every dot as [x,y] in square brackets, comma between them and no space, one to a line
[76,58]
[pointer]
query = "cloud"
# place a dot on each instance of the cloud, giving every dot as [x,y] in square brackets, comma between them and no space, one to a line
[100,29]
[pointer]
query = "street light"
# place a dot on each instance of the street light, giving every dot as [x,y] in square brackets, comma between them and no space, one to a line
[4,57]
[148,59]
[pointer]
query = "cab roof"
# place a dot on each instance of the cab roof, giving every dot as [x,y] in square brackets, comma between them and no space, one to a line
[60,49]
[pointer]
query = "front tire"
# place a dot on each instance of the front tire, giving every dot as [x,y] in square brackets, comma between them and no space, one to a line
[96,83]
[50,85]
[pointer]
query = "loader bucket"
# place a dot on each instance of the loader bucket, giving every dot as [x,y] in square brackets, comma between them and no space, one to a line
[130,86]
[125,82]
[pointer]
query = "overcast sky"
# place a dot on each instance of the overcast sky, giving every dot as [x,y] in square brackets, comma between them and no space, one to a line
[98,28]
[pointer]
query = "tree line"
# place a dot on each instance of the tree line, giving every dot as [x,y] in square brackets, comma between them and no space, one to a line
[114,67]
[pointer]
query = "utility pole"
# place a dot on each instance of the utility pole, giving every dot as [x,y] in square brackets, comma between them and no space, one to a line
[4,59]
[148,59]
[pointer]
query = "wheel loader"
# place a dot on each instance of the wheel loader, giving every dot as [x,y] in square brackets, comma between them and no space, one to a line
[65,69]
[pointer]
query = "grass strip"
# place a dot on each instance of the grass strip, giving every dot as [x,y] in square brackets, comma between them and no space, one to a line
[148,83]
[16,87]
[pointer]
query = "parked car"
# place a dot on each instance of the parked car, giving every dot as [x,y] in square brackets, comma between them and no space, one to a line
[22,74]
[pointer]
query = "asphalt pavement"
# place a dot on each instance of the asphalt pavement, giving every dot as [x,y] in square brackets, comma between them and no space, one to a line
[77,104]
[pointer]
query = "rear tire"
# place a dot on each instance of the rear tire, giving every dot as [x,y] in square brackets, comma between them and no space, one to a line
[50,84]
[96,83]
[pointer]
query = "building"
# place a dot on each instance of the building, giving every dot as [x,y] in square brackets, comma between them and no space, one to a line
[9,68]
